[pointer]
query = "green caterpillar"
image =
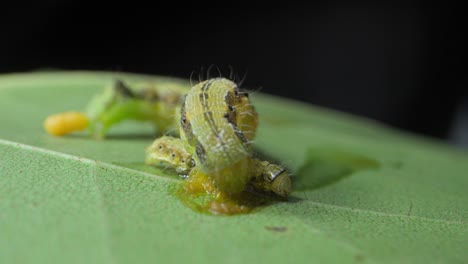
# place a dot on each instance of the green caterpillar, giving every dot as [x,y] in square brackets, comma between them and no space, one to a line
[157,104]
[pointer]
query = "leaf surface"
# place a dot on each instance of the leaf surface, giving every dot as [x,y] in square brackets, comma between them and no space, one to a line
[363,193]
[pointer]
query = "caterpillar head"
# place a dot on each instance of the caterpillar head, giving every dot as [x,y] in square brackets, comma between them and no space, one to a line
[169,152]
[272,178]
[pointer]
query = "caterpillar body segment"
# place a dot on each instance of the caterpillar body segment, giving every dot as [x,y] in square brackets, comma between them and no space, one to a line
[210,126]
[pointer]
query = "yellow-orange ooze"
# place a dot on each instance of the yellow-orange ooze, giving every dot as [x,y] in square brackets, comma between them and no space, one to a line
[65,123]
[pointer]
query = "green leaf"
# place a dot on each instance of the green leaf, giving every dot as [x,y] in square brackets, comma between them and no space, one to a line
[362,192]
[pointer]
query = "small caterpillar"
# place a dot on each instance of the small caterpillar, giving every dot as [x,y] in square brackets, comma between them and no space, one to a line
[216,122]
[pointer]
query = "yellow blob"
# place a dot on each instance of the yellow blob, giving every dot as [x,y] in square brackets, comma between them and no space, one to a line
[227,207]
[219,203]
[199,183]
[65,123]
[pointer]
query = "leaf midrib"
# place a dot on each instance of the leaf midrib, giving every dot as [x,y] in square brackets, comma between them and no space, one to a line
[94,163]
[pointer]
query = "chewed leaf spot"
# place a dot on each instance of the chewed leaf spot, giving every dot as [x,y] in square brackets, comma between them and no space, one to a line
[323,167]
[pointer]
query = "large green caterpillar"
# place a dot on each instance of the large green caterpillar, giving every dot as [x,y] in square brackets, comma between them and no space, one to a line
[217,124]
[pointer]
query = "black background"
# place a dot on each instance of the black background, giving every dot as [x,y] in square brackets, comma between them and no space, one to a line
[400,63]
